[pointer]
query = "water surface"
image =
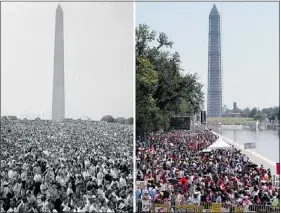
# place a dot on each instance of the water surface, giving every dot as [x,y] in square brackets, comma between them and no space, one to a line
[267,141]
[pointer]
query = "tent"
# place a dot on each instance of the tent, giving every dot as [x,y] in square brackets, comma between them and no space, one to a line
[220,144]
[206,150]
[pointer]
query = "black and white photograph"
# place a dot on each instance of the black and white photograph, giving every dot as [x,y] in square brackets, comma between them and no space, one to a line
[67,107]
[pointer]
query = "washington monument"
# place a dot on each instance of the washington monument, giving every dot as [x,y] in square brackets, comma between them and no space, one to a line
[214,103]
[58,106]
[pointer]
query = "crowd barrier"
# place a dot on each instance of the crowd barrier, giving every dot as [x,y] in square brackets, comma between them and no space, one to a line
[170,206]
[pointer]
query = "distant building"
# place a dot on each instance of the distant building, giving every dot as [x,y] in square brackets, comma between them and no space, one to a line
[224,109]
[234,106]
[214,102]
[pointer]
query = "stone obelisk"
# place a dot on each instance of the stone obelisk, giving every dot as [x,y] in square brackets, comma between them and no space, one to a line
[58,106]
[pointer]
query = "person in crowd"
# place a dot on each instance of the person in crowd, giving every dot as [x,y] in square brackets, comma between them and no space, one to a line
[179,165]
[66,166]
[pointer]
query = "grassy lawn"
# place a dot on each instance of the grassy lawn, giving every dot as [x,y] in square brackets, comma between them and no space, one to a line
[230,121]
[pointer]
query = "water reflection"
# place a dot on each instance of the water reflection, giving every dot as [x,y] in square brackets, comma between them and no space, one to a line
[267,141]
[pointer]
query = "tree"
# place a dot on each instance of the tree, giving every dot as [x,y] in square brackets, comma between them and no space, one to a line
[120,120]
[253,112]
[245,112]
[260,116]
[130,121]
[108,118]
[146,110]
[272,113]
[161,88]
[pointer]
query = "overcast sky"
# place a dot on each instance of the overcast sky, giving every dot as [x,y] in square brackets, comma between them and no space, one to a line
[98,59]
[250,45]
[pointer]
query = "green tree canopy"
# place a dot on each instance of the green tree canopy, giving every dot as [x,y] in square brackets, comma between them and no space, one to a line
[245,112]
[253,112]
[272,113]
[162,89]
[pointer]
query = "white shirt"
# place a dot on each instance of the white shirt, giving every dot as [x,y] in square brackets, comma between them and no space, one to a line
[62,181]
[164,187]
[69,191]
[110,211]
[113,173]
[92,208]
[24,176]
[11,174]
[11,210]
[87,162]
[99,176]
[80,210]
[24,166]
[100,192]
[123,182]
[37,178]
[86,174]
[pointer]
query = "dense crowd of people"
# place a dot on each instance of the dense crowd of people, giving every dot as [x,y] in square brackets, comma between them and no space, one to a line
[174,168]
[67,166]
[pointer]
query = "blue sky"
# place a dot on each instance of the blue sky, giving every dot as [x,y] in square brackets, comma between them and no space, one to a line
[250,45]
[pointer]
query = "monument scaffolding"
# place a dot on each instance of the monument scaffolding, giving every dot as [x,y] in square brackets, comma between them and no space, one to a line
[214,100]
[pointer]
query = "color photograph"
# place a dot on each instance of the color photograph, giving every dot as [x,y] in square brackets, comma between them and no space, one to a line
[207,107]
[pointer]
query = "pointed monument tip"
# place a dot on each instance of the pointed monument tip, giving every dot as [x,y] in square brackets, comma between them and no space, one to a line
[214,10]
[59,7]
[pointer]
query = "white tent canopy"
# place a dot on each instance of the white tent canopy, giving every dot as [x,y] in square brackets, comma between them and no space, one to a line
[220,144]
[206,150]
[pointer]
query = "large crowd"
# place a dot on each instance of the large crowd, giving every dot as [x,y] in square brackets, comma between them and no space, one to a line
[67,166]
[173,168]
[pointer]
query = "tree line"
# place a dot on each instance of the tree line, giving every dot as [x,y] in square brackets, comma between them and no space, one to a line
[107,118]
[120,120]
[162,88]
[271,113]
